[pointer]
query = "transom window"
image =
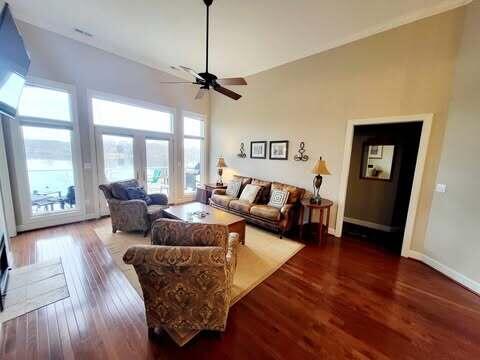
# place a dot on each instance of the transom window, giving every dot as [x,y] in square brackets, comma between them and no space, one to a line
[39,102]
[115,114]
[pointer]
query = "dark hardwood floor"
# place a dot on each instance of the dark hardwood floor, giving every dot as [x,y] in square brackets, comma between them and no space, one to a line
[343,299]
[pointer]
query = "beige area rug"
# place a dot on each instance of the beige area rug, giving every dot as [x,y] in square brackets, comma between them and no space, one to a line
[262,254]
[32,287]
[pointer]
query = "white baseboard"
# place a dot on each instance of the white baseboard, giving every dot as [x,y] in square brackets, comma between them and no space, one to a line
[445,270]
[371,225]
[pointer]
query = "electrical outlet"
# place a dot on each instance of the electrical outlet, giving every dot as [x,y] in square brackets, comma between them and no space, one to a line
[441,188]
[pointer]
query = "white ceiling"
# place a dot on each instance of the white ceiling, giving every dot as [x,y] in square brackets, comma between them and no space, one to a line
[247,36]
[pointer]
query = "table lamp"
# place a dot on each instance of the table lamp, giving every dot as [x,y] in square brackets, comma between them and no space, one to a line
[319,169]
[220,165]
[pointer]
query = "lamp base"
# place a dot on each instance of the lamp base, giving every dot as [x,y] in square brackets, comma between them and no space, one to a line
[219,183]
[315,200]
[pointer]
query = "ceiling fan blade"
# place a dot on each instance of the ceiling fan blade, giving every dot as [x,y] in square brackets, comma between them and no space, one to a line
[191,72]
[231,94]
[175,82]
[200,94]
[232,81]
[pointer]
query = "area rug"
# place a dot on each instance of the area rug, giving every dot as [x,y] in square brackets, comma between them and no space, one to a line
[262,254]
[32,287]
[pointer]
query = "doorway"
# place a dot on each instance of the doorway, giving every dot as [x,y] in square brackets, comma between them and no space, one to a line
[366,170]
[382,166]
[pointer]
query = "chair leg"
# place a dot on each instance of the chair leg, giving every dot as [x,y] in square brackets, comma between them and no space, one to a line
[145,233]
[151,333]
[114,229]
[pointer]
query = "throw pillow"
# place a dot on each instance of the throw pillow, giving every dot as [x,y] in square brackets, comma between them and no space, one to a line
[138,193]
[249,193]
[119,191]
[278,198]
[233,188]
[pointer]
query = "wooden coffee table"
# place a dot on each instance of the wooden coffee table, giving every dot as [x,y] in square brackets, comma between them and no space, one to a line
[214,216]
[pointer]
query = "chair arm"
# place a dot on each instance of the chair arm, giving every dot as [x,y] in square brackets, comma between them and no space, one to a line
[286,209]
[232,250]
[174,256]
[159,199]
[219,192]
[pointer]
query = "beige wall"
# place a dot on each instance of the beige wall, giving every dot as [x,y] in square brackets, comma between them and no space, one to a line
[453,232]
[403,71]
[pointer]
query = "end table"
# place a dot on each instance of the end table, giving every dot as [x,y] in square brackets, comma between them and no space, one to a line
[204,192]
[324,207]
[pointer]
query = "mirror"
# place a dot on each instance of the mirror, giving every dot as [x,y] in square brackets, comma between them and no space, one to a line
[377,162]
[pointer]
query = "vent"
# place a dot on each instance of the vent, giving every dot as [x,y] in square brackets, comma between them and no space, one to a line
[83,33]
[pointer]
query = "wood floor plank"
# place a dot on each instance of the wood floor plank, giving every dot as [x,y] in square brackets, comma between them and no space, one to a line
[343,299]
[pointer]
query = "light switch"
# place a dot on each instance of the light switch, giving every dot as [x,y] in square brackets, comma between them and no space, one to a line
[441,188]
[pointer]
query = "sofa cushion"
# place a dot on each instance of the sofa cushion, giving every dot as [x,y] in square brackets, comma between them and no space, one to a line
[278,198]
[250,193]
[264,194]
[222,200]
[265,211]
[295,192]
[240,205]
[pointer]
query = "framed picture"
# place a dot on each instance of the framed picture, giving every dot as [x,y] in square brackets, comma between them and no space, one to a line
[279,150]
[375,151]
[258,149]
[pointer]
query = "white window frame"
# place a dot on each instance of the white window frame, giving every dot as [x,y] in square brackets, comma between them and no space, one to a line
[139,136]
[189,196]
[28,220]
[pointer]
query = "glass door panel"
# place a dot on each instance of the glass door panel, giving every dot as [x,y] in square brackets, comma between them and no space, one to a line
[157,166]
[118,157]
[50,169]
[192,152]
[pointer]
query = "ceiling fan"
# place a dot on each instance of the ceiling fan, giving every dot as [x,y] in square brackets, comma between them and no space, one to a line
[208,80]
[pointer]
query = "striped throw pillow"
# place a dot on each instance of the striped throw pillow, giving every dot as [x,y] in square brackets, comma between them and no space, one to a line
[278,198]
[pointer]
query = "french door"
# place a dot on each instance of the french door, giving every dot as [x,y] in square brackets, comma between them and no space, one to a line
[124,154]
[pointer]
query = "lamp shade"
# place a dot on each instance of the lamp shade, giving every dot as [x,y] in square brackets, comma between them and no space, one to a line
[221,163]
[320,168]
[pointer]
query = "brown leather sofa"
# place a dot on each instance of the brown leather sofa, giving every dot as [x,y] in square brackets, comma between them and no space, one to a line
[259,213]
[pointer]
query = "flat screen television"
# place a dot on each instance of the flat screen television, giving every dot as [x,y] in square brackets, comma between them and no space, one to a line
[14,63]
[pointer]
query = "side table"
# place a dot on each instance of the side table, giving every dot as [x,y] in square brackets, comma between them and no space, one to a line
[324,207]
[204,192]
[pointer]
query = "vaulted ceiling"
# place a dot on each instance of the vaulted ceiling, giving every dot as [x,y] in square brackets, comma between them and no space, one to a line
[247,36]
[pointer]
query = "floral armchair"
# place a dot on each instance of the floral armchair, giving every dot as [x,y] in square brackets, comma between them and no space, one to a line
[132,215]
[186,276]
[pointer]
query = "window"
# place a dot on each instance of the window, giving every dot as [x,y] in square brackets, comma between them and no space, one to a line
[109,113]
[118,157]
[44,103]
[193,129]
[49,168]
[46,129]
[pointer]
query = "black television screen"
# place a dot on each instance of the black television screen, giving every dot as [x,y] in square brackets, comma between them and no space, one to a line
[14,63]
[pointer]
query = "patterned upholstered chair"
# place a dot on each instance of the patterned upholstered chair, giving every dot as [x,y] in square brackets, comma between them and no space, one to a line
[132,215]
[186,275]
